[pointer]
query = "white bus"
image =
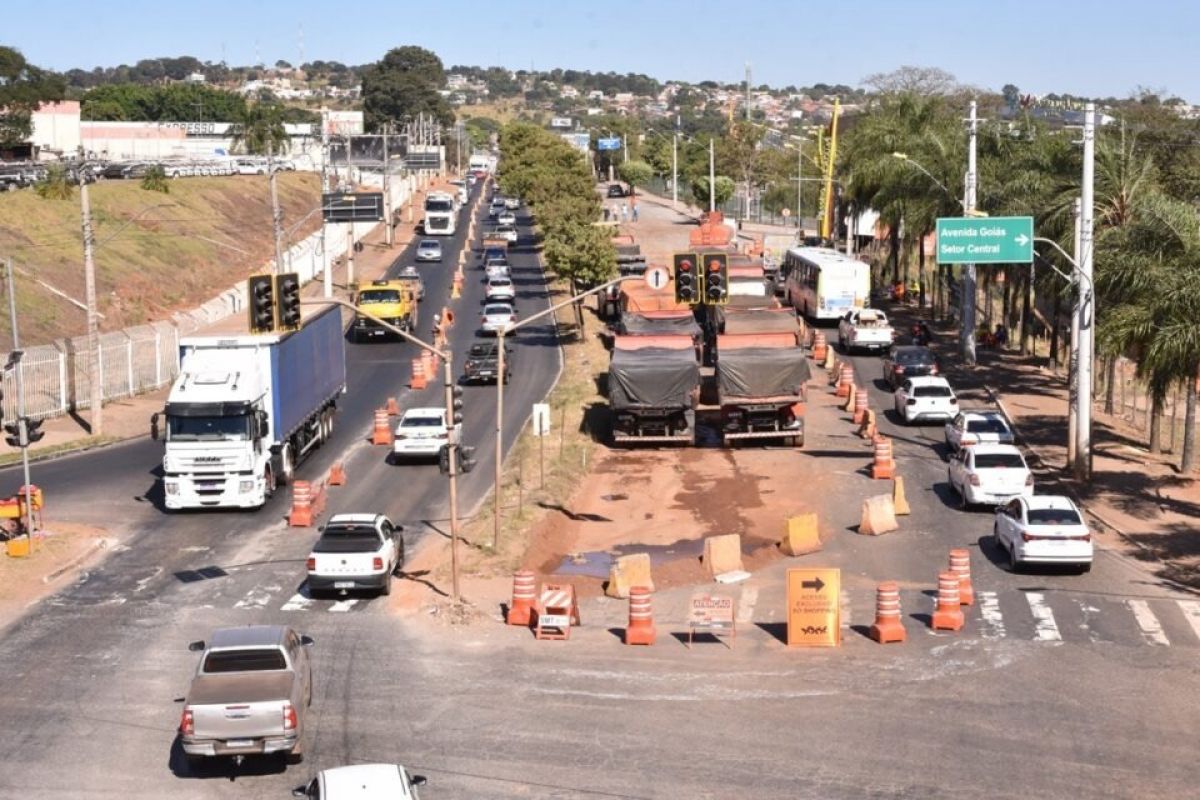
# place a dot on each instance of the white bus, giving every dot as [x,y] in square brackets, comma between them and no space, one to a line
[480,164]
[441,214]
[823,284]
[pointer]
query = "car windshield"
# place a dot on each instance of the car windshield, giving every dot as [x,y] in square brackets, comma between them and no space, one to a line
[497,310]
[431,244]
[987,425]
[503,282]
[932,391]
[438,205]
[379,296]
[183,429]
[482,350]
[913,357]
[1053,516]
[257,659]
[994,460]
[421,422]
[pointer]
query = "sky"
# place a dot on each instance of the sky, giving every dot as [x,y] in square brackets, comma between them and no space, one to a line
[1098,48]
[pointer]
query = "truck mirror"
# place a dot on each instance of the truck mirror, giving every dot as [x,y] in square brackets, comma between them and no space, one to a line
[418,780]
[307,640]
[154,426]
[264,426]
[196,646]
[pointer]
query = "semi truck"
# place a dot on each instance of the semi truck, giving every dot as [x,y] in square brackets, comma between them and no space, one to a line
[653,389]
[761,381]
[246,408]
[441,214]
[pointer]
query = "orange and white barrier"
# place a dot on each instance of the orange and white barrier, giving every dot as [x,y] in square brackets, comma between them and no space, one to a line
[887,627]
[381,433]
[419,379]
[641,617]
[884,466]
[960,565]
[393,407]
[845,380]
[948,615]
[820,346]
[524,593]
[337,474]
[307,504]
[868,429]
[555,612]
[860,404]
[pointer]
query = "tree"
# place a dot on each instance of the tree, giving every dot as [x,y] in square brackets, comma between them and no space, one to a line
[155,180]
[724,190]
[56,185]
[1011,95]
[402,85]
[635,173]
[23,87]
[259,129]
[913,80]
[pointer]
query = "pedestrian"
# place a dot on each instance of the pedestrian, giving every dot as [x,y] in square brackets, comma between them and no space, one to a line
[606,213]
[1001,335]
[635,213]
[624,212]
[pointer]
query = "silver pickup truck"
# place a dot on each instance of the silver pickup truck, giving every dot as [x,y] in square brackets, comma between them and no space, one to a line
[249,695]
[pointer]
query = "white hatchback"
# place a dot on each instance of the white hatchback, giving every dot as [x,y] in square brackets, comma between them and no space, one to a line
[925,397]
[1046,529]
[970,428]
[421,433]
[497,317]
[500,290]
[989,474]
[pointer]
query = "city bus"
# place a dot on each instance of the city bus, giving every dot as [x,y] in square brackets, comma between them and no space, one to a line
[823,284]
[441,214]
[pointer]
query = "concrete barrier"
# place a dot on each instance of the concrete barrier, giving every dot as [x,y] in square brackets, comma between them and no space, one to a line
[627,572]
[878,516]
[723,554]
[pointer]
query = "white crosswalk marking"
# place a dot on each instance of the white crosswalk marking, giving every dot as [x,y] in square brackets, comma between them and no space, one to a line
[298,602]
[1047,629]
[1152,630]
[343,605]
[258,597]
[1191,610]
[989,610]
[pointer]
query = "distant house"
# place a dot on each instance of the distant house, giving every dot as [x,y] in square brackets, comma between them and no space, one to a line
[456,80]
[195,77]
[569,92]
[595,94]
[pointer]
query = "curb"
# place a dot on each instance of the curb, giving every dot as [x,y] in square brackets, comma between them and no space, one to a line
[35,458]
[74,563]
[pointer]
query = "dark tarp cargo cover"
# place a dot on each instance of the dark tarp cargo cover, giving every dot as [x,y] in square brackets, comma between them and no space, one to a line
[760,373]
[652,378]
[761,321]
[638,325]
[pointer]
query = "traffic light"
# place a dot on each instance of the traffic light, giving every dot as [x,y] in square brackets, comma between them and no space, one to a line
[287,289]
[466,458]
[687,279]
[716,278]
[444,459]
[32,432]
[457,404]
[260,294]
[13,429]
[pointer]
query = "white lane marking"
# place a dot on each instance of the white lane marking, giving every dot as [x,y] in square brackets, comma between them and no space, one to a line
[1152,630]
[993,620]
[745,612]
[343,605]
[258,597]
[1191,610]
[1047,629]
[1089,613]
[845,608]
[146,580]
[298,602]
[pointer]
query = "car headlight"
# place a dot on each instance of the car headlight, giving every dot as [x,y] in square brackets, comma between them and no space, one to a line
[171,487]
[245,487]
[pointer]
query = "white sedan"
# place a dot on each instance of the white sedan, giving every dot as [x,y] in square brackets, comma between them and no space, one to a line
[977,427]
[508,232]
[421,433]
[506,218]
[1046,529]
[500,290]
[990,474]
[361,782]
[496,270]
[497,317]
[925,397]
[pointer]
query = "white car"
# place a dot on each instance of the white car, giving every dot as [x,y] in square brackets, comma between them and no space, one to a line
[1045,529]
[362,782]
[509,233]
[497,317]
[496,270]
[429,250]
[989,474]
[926,397]
[500,290]
[355,551]
[496,208]
[512,203]
[421,433]
[506,218]
[250,166]
[977,427]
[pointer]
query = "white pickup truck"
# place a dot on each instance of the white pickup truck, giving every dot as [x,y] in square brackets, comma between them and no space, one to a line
[249,694]
[355,551]
[865,329]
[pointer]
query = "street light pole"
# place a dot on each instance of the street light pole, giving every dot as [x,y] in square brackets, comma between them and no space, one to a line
[966,334]
[16,351]
[327,277]
[675,169]
[800,183]
[500,334]
[1073,359]
[1087,330]
[712,176]
[95,367]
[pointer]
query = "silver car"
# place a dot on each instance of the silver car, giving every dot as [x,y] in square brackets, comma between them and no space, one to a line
[500,289]
[429,250]
[497,317]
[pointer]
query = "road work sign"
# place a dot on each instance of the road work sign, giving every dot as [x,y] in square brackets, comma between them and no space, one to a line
[814,617]
[710,613]
[985,240]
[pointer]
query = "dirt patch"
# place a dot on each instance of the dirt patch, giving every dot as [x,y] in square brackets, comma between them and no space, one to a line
[59,552]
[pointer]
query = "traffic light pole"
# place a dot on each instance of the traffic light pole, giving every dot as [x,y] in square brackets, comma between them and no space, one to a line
[448,380]
[12,312]
[500,334]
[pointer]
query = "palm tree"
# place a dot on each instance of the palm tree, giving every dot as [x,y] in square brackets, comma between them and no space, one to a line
[259,129]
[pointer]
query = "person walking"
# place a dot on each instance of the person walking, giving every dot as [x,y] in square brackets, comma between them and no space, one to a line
[624,212]
[635,213]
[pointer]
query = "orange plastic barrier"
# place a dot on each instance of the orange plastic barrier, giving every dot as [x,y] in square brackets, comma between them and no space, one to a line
[845,380]
[307,504]
[382,431]
[868,429]
[337,474]
[883,467]
[555,612]
[860,405]
[419,379]
[887,627]
[393,408]
[820,347]
[948,615]
[960,565]
[641,617]
[524,592]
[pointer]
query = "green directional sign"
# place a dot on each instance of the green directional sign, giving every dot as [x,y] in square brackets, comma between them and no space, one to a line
[985,240]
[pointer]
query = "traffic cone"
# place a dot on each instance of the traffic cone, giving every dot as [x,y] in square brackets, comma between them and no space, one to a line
[887,627]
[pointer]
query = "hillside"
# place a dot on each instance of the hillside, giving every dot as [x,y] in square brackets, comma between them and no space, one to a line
[208,234]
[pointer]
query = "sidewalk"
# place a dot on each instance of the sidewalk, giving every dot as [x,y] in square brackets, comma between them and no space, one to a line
[129,417]
[1143,498]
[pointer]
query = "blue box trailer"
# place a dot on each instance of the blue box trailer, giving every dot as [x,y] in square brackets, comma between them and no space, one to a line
[308,370]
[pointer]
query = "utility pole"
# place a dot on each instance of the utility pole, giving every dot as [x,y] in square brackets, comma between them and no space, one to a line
[675,169]
[387,193]
[1087,316]
[95,367]
[800,183]
[276,217]
[966,334]
[1073,361]
[16,348]
[712,176]
[327,278]
[747,91]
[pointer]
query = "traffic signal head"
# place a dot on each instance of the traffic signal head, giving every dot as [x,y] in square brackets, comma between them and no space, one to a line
[466,458]
[13,429]
[716,278]
[32,430]
[287,290]
[457,404]
[687,279]
[260,296]
[444,459]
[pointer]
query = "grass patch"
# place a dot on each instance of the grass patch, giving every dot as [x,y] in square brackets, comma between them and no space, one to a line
[42,453]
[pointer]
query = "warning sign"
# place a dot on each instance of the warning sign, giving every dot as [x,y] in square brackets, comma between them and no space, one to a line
[814,616]
[711,613]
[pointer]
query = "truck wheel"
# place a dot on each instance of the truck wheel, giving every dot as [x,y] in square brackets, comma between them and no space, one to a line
[283,465]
